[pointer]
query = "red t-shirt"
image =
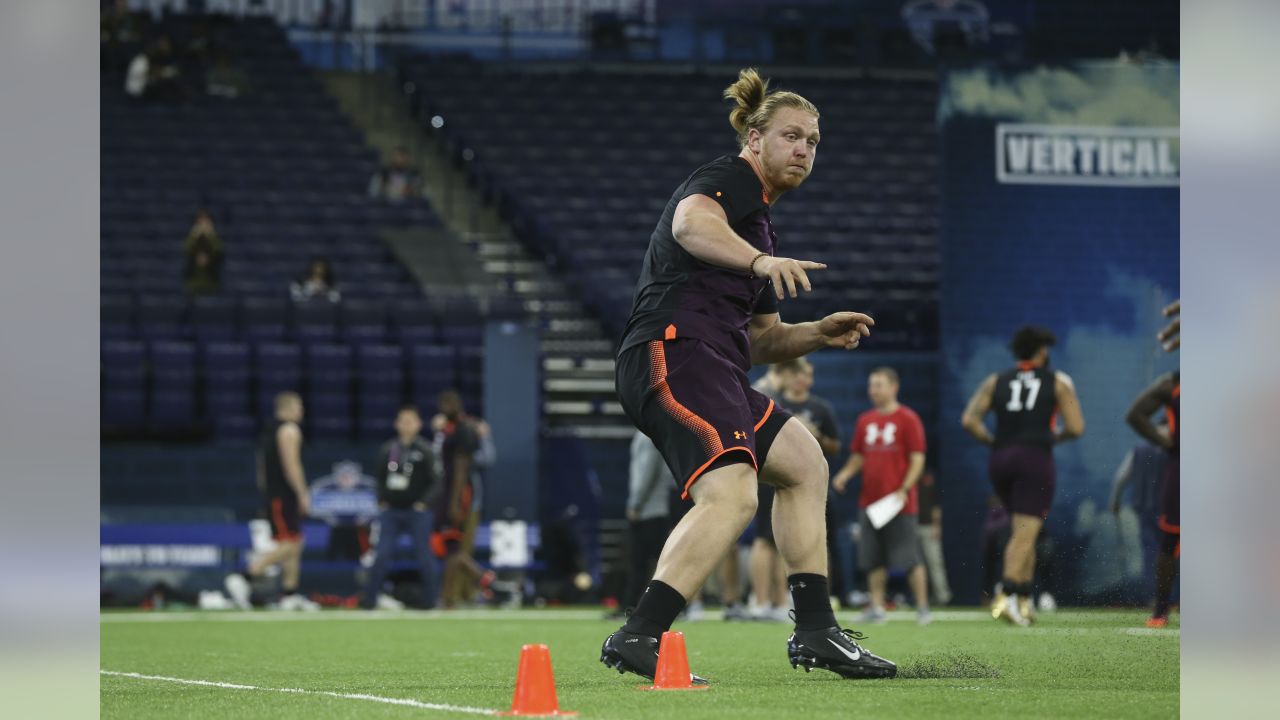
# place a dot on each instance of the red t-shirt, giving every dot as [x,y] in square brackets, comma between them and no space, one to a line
[885,442]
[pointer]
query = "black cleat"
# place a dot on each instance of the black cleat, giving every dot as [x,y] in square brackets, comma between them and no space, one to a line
[834,649]
[628,652]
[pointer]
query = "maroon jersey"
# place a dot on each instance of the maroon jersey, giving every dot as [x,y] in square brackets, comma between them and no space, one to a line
[679,296]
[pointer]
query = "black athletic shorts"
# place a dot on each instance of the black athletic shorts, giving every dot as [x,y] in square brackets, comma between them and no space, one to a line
[697,406]
[286,521]
[1024,478]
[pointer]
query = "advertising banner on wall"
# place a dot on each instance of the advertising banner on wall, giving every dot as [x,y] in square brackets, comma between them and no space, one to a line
[1060,206]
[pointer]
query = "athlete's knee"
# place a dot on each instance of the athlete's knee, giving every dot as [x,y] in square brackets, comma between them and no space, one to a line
[730,490]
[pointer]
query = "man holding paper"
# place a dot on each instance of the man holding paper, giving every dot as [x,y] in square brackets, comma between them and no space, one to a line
[888,448]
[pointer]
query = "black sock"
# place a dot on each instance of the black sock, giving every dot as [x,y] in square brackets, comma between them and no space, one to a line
[812,600]
[1011,587]
[658,607]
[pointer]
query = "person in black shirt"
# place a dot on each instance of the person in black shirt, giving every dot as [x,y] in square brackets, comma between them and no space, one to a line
[929,529]
[1164,394]
[456,443]
[1026,399]
[406,478]
[284,485]
[705,310]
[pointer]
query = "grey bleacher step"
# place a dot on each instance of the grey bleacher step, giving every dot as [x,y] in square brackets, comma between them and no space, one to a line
[578,385]
[600,348]
[604,365]
[584,408]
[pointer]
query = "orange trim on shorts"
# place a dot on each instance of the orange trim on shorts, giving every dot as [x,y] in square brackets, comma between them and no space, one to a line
[662,389]
[1168,527]
[698,473]
[767,412]
[282,528]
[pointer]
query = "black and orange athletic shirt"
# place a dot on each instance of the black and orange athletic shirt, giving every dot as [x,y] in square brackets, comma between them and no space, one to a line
[1025,401]
[680,296]
[277,486]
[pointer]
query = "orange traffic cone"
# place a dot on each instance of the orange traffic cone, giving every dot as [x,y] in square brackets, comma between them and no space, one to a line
[535,684]
[673,665]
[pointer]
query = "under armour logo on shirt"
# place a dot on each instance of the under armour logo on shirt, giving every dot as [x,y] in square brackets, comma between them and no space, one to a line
[874,433]
[739,435]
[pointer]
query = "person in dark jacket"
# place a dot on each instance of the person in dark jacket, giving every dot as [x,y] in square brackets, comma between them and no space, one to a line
[406,475]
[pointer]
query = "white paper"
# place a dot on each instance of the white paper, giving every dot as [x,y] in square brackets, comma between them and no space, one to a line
[885,509]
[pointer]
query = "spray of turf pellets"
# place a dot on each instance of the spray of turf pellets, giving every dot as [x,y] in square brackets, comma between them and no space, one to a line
[948,665]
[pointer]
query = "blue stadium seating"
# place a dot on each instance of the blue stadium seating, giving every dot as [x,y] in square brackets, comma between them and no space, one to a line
[283,174]
[584,182]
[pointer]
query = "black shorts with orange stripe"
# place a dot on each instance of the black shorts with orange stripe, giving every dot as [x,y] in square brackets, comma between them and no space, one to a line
[697,406]
[286,521]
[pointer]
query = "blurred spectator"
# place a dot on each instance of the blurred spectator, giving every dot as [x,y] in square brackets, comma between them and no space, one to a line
[930,529]
[203,250]
[397,180]
[648,515]
[226,79]
[283,481]
[456,444]
[153,75]
[406,480]
[318,284]
[888,449]
[937,25]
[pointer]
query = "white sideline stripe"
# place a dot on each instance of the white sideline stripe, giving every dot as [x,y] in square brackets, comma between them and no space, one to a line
[849,616]
[299,691]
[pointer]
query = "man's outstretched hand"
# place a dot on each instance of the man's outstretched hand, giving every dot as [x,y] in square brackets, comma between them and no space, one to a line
[845,329]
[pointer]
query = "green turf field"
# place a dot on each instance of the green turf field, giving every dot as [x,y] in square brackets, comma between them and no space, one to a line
[1072,664]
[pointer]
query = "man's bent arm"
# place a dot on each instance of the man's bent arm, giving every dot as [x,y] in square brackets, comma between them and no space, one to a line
[701,227]
[773,341]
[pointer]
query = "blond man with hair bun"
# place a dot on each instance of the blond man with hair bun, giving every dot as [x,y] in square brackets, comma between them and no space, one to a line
[705,311]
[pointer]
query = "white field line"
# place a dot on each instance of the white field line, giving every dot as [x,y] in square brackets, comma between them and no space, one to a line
[299,691]
[459,615]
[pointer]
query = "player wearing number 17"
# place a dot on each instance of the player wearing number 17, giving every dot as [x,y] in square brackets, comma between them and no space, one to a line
[1027,400]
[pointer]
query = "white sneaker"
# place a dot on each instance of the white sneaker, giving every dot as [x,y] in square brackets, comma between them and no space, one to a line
[214,600]
[298,602]
[873,616]
[1014,613]
[779,614]
[238,588]
[924,617]
[694,611]
[386,602]
[1047,603]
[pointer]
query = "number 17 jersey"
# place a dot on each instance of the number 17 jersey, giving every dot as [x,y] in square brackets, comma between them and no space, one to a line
[1025,401]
